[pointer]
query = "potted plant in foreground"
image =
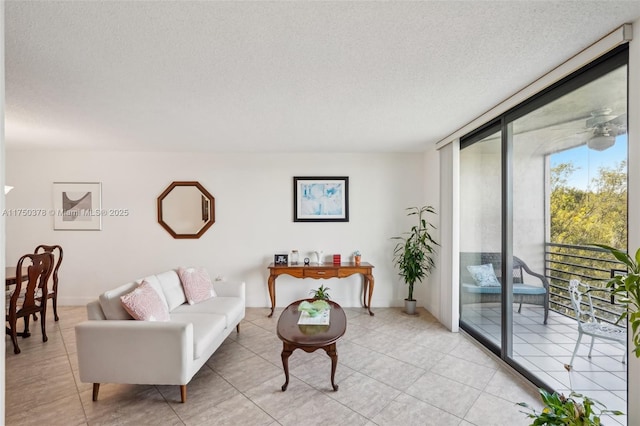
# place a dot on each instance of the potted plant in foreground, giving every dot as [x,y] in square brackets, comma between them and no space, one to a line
[559,410]
[576,410]
[413,255]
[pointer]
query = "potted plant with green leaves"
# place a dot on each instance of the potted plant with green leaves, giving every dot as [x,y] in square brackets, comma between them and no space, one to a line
[627,287]
[356,257]
[576,410]
[321,293]
[414,253]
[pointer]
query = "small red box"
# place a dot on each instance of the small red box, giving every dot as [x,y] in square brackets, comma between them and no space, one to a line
[336,259]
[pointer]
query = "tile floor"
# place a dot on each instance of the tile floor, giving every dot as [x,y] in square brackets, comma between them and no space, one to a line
[545,349]
[393,369]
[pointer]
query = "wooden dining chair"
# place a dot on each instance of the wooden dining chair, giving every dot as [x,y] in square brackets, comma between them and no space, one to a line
[24,301]
[53,287]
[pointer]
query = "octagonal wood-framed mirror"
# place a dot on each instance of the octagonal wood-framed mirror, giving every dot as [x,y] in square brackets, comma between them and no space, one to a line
[186,209]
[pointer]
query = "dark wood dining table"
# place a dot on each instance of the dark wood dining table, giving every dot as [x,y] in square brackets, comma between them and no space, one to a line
[10,275]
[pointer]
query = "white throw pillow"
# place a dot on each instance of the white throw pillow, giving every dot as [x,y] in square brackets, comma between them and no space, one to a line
[171,288]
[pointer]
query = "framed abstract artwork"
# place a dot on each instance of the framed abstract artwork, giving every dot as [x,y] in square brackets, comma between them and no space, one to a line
[77,206]
[321,199]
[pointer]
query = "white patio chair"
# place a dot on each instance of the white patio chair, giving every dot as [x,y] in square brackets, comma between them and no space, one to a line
[587,323]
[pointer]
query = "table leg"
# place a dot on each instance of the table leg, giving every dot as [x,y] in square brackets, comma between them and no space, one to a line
[369,278]
[286,353]
[272,293]
[365,288]
[333,354]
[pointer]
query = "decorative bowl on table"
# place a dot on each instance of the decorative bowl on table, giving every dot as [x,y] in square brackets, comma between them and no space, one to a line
[313,308]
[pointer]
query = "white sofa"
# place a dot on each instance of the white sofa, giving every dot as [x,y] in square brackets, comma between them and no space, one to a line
[114,348]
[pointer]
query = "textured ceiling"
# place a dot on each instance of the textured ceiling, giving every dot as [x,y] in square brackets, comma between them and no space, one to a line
[277,76]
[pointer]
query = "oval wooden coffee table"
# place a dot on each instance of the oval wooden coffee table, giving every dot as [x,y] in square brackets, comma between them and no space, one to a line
[310,338]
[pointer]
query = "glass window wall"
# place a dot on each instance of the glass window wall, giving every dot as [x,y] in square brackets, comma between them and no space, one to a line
[538,186]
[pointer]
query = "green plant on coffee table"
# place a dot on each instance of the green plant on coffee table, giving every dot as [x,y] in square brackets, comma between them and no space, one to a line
[627,287]
[321,293]
[576,410]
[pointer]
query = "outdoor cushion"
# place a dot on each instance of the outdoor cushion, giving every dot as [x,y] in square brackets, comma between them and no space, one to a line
[517,289]
[484,275]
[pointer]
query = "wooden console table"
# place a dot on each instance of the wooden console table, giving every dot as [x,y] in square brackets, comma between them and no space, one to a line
[323,271]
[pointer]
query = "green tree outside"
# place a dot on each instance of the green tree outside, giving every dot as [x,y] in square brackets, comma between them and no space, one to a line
[581,217]
[595,215]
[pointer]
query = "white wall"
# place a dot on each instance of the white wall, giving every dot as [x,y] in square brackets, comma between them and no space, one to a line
[253,201]
[529,184]
[481,197]
[2,182]
[447,275]
[430,290]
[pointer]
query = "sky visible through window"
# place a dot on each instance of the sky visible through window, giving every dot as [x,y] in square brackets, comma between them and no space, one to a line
[587,161]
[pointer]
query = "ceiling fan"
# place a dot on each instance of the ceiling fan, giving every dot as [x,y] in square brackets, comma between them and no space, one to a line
[602,128]
[597,130]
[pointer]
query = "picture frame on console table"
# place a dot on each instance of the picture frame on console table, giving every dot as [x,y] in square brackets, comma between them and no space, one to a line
[321,199]
[281,259]
[77,206]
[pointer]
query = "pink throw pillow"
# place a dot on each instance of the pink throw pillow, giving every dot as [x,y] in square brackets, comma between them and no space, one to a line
[197,284]
[144,303]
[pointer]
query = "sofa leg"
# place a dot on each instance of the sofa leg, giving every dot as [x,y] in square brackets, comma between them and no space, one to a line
[238,328]
[183,393]
[96,389]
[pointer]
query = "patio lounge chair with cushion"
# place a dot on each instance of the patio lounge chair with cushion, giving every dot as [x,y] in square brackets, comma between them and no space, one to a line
[480,274]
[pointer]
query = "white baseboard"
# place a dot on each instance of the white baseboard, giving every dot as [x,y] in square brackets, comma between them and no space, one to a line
[75,301]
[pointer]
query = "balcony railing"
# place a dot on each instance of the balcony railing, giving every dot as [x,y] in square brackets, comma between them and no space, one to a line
[591,265]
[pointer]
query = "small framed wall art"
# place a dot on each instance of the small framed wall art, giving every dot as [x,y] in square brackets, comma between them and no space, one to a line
[77,206]
[281,259]
[321,199]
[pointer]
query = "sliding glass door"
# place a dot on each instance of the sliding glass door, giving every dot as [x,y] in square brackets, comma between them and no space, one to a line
[569,191]
[538,186]
[481,234]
